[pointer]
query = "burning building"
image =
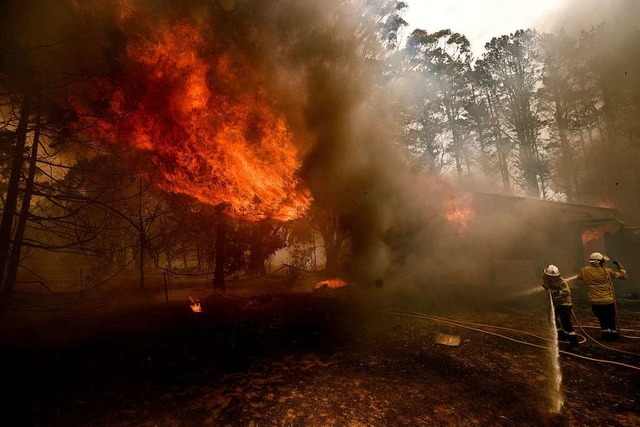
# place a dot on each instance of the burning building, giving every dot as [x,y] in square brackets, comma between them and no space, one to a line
[532,233]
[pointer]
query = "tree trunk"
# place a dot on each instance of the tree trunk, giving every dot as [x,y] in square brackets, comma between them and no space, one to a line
[14,260]
[529,155]
[221,236]
[500,146]
[504,165]
[199,255]
[329,226]
[11,202]
[565,148]
[528,158]
[332,251]
[531,179]
[313,242]
[257,259]
[567,157]
[457,140]
[610,109]
[185,261]
[332,258]
[142,237]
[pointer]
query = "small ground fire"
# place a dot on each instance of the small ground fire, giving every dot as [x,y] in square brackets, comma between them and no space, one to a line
[195,305]
[331,284]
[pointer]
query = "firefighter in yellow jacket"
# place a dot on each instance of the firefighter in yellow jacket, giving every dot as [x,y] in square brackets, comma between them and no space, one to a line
[599,280]
[562,305]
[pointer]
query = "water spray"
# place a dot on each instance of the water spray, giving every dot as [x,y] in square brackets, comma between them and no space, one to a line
[537,289]
[556,397]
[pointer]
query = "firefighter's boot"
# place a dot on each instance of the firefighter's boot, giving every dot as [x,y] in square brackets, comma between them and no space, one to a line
[609,335]
[573,341]
[562,335]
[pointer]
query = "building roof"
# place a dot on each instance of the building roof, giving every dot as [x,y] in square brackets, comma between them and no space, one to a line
[572,212]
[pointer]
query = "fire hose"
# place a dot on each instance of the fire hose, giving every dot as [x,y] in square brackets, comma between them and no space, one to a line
[598,342]
[590,337]
[615,303]
[471,326]
[621,329]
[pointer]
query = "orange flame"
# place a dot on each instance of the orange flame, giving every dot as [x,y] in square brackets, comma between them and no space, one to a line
[459,212]
[605,204]
[594,235]
[331,284]
[195,305]
[203,120]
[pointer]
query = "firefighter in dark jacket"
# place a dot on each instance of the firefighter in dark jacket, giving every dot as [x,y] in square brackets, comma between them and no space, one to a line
[561,297]
[599,280]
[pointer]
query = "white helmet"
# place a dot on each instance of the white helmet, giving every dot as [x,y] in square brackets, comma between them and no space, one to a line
[552,270]
[596,257]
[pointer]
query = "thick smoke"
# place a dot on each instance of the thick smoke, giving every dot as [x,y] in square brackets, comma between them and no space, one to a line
[345,116]
[576,16]
[320,64]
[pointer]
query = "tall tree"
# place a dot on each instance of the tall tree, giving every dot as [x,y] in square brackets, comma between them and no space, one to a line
[512,64]
[561,94]
[494,145]
[444,58]
[611,109]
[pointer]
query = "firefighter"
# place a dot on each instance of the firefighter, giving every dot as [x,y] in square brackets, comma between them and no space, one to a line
[562,305]
[599,280]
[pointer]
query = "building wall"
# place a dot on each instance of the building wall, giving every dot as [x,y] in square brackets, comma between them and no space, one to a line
[625,246]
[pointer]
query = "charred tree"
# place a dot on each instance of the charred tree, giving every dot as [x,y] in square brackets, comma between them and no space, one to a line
[264,239]
[220,255]
[11,200]
[16,249]
[333,236]
[257,258]
[142,235]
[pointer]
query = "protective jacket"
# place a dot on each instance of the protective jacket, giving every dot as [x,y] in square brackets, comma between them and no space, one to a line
[599,282]
[558,288]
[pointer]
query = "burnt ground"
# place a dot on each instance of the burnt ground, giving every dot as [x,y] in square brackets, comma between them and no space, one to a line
[332,358]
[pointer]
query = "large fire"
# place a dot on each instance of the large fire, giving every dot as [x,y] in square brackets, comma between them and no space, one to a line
[202,118]
[459,212]
[593,238]
[594,235]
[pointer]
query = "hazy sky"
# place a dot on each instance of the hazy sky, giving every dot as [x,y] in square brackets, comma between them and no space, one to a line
[479,20]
